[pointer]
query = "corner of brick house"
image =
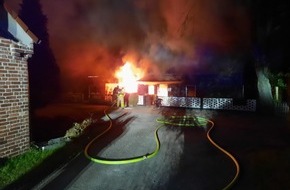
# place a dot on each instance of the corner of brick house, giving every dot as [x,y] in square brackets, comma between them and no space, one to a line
[16,46]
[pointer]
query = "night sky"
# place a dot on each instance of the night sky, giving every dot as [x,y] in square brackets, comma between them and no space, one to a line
[94,37]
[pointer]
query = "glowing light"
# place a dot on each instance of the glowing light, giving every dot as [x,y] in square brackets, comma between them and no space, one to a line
[162,90]
[151,89]
[127,77]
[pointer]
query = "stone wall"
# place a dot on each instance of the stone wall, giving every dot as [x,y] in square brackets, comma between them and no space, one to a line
[14,94]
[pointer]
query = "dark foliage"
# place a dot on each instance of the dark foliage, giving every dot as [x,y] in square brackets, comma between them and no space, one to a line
[271,30]
[43,69]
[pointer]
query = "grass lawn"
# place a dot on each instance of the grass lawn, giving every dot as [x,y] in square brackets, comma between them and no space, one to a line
[13,168]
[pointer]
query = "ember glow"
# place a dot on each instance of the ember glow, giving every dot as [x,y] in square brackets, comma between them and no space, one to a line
[128,76]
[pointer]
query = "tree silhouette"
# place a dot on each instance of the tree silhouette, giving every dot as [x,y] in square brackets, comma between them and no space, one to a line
[270,39]
[272,19]
[43,70]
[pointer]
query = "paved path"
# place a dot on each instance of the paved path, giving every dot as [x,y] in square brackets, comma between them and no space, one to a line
[186,159]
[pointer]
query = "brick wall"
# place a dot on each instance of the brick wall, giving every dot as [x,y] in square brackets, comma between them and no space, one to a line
[14,98]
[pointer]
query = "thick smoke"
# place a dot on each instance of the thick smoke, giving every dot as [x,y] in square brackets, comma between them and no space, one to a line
[94,37]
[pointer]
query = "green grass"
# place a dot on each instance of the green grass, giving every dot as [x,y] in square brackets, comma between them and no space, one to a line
[17,166]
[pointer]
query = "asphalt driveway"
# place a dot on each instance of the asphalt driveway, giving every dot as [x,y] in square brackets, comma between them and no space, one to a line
[186,160]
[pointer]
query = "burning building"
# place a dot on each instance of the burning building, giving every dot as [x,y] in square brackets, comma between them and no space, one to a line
[143,89]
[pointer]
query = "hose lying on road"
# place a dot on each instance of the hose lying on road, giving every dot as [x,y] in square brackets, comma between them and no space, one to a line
[227,153]
[121,161]
[184,121]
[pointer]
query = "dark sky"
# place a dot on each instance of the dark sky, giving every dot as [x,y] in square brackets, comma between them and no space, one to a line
[92,37]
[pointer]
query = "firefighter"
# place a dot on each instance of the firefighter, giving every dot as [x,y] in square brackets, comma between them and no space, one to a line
[126,99]
[120,101]
[115,94]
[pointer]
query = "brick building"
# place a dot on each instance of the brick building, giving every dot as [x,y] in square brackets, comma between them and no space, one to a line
[16,46]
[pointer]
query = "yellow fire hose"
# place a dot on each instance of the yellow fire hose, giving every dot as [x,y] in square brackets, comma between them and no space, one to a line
[187,121]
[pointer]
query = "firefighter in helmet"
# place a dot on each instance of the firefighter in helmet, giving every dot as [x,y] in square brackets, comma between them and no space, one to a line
[120,99]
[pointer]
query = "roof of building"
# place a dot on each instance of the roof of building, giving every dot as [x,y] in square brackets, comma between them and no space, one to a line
[150,79]
[159,82]
[12,27]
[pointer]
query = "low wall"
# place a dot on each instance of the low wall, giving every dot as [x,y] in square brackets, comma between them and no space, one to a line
[206,103]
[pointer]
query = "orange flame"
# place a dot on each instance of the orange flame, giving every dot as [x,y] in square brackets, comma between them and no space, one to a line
[128,76]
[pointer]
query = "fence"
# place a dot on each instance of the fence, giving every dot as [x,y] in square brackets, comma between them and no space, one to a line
[281,108]
[206,103]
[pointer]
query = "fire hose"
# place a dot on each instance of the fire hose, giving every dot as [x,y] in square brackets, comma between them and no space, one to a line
[184,121]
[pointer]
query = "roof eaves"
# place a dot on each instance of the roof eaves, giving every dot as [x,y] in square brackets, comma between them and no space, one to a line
[148,82]
[22,24]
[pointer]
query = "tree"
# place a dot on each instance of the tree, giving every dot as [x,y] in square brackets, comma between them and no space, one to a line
[270,41]
[43,70]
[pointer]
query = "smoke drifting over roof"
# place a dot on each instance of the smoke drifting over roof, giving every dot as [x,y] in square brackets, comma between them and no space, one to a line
[94,37]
